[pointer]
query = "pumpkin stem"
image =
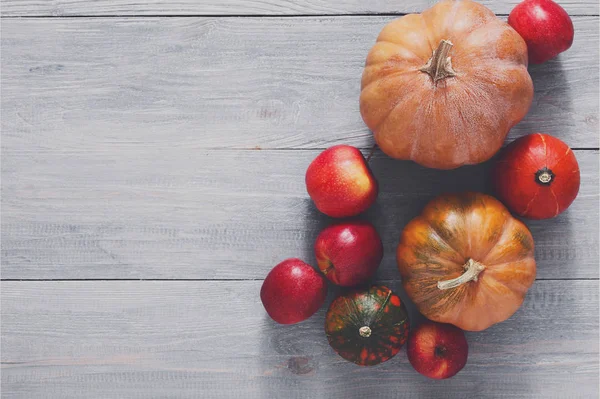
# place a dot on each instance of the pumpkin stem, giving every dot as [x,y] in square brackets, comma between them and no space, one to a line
[365,331]
[439,65]
[473,268]
[544,176]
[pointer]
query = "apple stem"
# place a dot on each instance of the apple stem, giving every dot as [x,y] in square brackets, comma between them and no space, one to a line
[328,268]
[473,268]
[371,152]
[439,65]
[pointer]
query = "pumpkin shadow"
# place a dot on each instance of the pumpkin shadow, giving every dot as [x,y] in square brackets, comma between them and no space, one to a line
[404,190]
[551,96]
[561,249]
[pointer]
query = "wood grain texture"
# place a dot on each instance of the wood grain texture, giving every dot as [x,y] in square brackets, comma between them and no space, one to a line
[213,339]
[139,210]
[127,154]
[82,84]
[250,7]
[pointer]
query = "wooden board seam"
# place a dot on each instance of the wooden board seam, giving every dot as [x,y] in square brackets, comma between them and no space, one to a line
[393,280]
[335,15]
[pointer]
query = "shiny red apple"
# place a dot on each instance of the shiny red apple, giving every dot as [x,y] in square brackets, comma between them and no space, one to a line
[349,253]
[293,291]
[545,26]
[437,350]
[340,182]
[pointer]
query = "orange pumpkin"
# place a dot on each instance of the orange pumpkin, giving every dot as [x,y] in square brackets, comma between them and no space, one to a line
[466,261]
[444,87]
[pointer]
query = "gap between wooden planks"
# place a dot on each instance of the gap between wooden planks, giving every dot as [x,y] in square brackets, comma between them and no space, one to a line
[262,8]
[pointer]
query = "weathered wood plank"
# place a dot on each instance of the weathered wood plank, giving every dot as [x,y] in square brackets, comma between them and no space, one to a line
[129,210]
[213,339]
[231,82]
[249,7]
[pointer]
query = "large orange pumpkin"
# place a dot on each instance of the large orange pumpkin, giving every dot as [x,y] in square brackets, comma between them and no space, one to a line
[444,87]
[466,261]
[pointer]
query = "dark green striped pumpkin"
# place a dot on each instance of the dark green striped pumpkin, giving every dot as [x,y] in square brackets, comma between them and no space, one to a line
[367,326]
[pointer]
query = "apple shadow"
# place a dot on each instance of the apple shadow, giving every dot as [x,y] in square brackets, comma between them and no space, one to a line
[290,356]
[314,222]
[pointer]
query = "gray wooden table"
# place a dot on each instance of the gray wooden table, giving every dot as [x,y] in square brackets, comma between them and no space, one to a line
[153,159]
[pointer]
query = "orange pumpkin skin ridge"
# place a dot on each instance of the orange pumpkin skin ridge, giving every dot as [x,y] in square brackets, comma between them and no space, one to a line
[452,229]
[461,119]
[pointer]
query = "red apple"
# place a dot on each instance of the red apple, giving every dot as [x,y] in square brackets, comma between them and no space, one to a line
[349,253]
[545,26]
[293,291]
[437,350]
[340,182]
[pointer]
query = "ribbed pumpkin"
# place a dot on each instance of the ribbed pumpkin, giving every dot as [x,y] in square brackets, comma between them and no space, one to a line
[466,261]
[444,87]
[367,327]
